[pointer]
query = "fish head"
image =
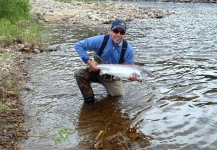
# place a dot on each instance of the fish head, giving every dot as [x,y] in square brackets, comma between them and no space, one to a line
[144,74]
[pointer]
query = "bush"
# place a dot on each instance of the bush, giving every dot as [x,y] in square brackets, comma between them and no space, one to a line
[16,23]
[14,10]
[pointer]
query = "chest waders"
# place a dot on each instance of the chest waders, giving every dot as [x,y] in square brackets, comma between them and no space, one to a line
[84,77]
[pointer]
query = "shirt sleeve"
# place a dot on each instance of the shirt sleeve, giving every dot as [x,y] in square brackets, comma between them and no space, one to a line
[88,44]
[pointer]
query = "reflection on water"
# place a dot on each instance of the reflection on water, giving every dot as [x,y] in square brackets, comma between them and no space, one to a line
[106,115]
[174,110]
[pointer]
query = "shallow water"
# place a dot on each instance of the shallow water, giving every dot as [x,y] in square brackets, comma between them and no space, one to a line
[174,110]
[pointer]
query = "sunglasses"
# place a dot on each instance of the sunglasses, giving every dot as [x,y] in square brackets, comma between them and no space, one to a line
[116,31]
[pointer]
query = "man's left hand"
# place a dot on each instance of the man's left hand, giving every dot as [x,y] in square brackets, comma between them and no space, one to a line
[132,78]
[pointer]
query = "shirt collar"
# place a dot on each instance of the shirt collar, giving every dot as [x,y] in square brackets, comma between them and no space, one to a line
[120,44]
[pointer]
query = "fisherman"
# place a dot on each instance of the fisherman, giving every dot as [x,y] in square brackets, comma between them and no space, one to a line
[111,48]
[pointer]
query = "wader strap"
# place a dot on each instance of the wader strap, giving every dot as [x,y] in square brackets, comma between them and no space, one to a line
[124,47]
[105,40]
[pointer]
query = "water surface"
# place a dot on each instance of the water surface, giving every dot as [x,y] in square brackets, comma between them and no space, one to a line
[174,110]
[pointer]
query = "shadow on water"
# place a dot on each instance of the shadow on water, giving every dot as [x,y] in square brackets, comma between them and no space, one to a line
[106,115]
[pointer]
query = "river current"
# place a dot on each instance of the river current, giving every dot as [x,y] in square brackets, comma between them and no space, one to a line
[176,109]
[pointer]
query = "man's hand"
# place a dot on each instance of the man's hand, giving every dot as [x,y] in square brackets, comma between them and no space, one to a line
[92,65]
[133,78]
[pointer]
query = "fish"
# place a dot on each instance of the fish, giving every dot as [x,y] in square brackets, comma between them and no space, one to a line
[124,71]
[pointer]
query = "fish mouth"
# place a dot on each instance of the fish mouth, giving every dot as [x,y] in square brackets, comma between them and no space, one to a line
[145,73]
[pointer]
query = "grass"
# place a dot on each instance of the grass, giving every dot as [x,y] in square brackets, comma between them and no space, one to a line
[61,135]
[17,22]
[23,29]
[17,25]
[14,10]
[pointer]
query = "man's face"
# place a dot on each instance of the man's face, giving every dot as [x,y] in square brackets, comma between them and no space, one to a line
[117,35]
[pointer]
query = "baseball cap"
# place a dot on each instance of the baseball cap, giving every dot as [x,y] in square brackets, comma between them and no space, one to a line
[119,23]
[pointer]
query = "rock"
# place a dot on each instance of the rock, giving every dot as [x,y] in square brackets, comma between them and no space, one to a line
[27,49]
[11,93]
[94,13]
[36,47]
[28,45]
[37,51]
[21,46]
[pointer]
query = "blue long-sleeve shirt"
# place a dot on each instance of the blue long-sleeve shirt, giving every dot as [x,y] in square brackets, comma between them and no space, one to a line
[111,52]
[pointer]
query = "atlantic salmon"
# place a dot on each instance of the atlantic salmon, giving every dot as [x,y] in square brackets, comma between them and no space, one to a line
[124,71]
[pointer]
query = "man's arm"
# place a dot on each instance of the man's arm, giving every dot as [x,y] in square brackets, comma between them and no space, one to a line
[92,43]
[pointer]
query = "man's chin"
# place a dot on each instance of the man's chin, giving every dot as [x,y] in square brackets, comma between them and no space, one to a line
[117,41]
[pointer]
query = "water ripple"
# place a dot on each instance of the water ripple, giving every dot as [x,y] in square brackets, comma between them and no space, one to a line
[177,107]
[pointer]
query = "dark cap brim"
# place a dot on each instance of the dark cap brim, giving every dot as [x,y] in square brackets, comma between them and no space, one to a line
[119,26]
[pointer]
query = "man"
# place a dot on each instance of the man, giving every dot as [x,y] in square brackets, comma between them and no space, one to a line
[111,52]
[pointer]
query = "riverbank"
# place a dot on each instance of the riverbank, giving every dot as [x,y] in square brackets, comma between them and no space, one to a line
[12,115]
[92,13]
[13,75]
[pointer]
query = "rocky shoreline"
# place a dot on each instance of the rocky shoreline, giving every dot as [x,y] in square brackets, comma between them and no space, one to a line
[86,13]
[102,12]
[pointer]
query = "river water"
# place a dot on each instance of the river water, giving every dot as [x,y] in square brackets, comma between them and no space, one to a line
[176,109]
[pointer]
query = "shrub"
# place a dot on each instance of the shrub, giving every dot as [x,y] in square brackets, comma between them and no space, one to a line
[16,23]
[14,10]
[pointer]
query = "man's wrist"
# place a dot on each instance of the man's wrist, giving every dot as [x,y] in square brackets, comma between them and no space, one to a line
[88,61]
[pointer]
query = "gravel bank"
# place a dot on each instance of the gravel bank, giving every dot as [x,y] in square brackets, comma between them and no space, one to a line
[91,12]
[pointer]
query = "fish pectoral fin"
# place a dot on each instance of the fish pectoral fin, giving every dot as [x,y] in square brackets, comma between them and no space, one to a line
[101,72]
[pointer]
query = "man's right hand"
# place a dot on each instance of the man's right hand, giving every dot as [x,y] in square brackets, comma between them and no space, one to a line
[92,65]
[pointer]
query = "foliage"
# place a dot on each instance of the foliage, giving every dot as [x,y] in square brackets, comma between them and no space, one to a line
[17,23]
[23,29]
[37,112]
[10,84]
[5,56]
[62,135]
[14,10]
[4,107]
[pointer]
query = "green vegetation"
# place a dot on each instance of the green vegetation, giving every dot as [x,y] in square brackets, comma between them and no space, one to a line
[4,107]
[37,112]
[17,25]
[62,135]
[14,10]
[16,22]
[5,56]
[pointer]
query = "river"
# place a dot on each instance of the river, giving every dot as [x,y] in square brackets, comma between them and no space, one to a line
[176,109]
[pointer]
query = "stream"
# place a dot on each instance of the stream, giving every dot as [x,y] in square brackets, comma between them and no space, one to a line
[176,109]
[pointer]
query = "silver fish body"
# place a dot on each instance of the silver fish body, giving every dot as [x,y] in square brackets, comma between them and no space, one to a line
[123,70]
